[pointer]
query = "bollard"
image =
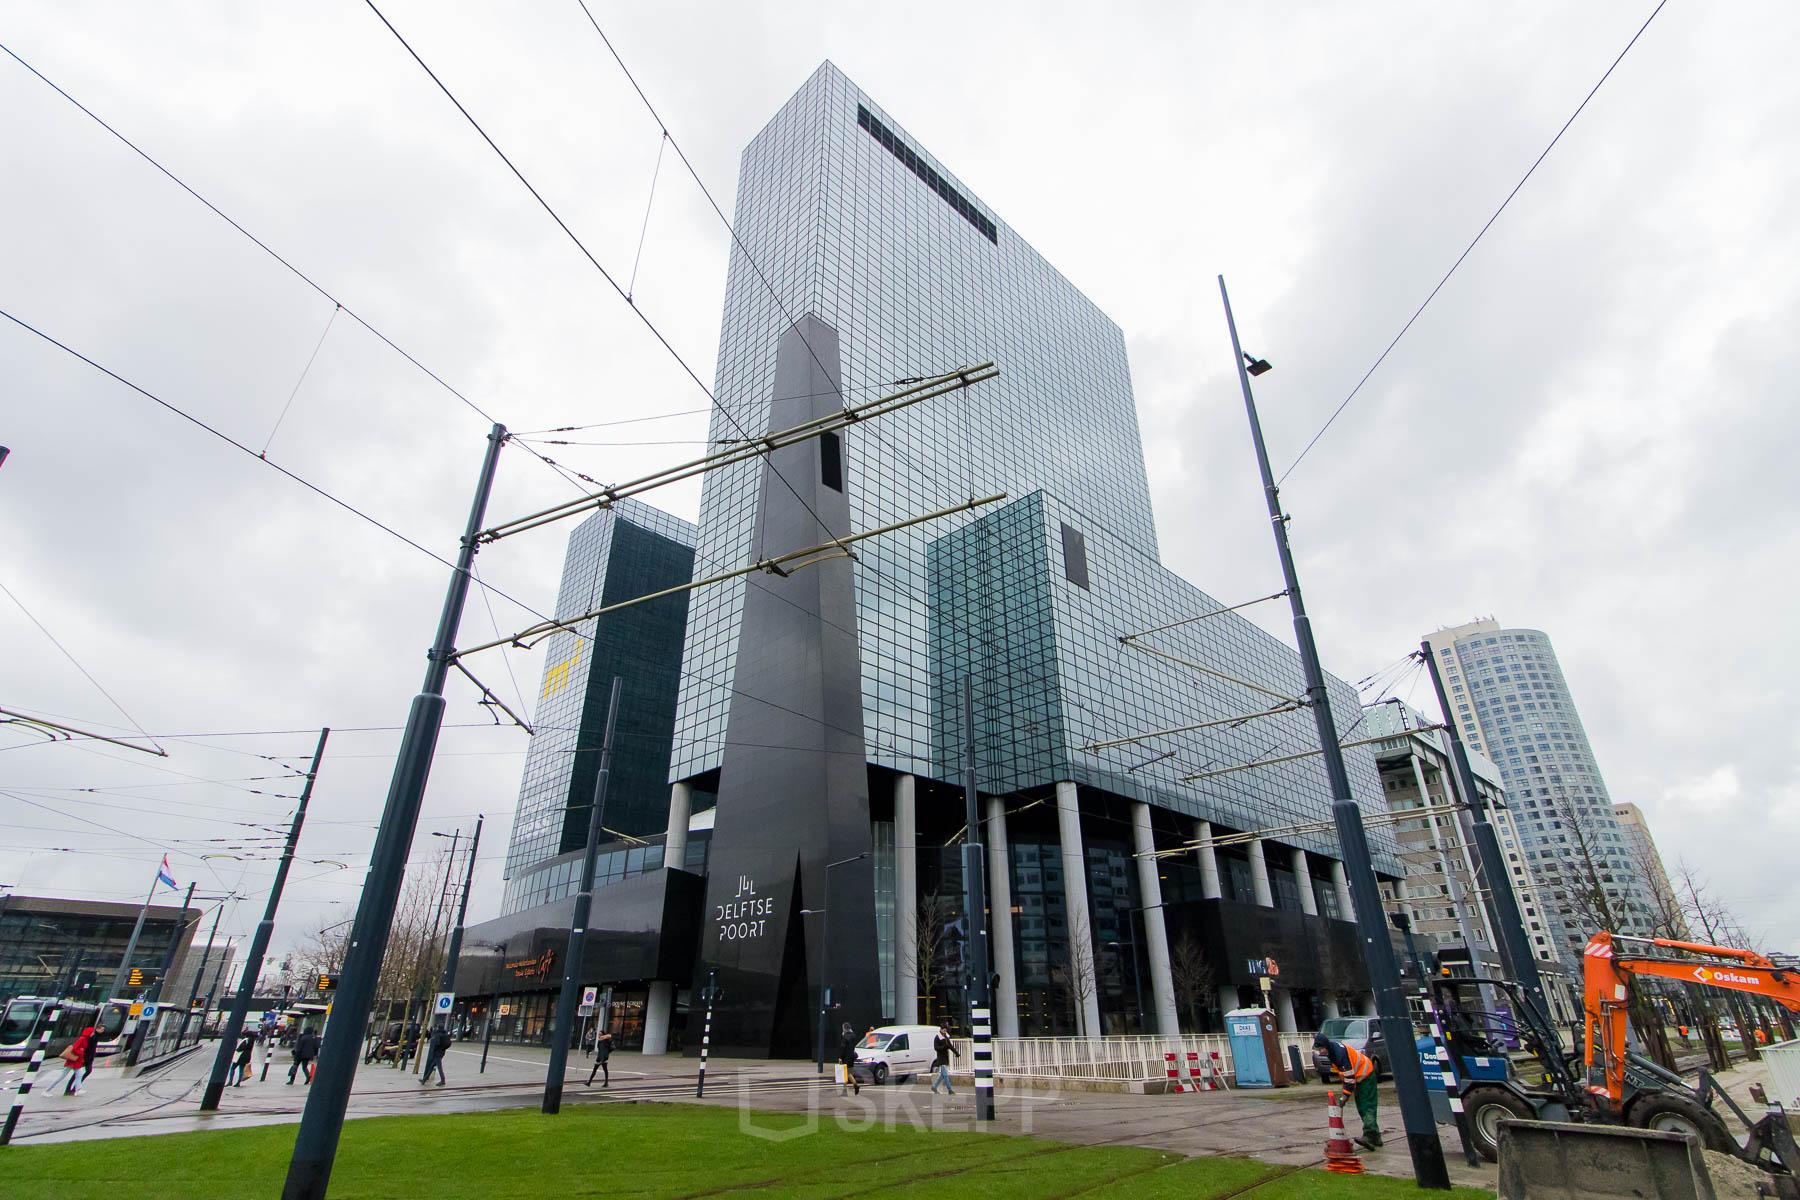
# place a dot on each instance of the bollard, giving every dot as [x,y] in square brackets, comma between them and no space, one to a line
[37,1061]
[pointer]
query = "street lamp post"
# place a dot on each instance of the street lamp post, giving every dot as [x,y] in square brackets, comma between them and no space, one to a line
[1427,1152]
[824,915]
[448,983]
[825,954]
[574,953]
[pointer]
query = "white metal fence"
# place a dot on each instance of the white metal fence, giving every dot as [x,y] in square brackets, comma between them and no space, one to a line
[1783,1061]
[1114,1058]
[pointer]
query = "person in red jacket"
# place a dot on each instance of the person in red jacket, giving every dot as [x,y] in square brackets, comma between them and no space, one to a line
[78,1062]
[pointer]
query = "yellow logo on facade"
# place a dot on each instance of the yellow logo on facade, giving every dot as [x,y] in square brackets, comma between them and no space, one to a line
[557,677]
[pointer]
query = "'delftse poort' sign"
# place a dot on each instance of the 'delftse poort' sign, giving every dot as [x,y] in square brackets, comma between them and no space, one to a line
[746,915]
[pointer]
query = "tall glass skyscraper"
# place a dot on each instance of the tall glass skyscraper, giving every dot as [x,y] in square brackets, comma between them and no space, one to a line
[1514,705]
[862,263]
[843,216]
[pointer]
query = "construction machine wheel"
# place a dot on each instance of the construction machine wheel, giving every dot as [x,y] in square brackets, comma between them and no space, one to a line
[1667,1112]
[1487,1107]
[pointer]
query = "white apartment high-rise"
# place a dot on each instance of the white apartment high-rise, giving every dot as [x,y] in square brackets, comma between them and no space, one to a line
[1511,702]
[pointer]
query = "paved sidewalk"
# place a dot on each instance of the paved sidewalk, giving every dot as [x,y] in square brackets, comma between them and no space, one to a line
[1285,1126]
[168,1100]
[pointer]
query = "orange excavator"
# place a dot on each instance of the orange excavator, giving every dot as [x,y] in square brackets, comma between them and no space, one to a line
[1625,1087]
[1514,1064]
[1607,970]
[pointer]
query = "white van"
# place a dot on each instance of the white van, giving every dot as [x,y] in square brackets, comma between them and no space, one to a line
[896,1052]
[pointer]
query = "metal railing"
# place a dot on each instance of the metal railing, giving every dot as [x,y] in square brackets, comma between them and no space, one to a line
[1121,1059]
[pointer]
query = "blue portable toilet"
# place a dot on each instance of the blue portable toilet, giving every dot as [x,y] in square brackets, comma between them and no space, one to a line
[1255,1050]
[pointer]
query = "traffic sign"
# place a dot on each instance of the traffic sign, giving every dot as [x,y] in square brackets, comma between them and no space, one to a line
[149,1011]
[590,996]
[445,1002]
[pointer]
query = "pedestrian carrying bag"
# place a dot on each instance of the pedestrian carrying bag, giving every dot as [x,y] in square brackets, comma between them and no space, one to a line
[843,1074]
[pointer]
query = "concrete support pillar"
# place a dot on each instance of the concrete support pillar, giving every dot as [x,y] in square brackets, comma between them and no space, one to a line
[1084,979]
[1209,861]
[1329,999]
[906,901]
[1000,924]
[1284,1010]
[1156,932]
[1309,903]
[659,1007]
[681,811]
[1259,876]
[1341,883]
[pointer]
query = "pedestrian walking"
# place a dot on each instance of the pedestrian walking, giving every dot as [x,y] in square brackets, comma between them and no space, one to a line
[602,1051]
[74,1060]
[436,1046]
[240,1065]
[1358,1074]
[846,1063]
[943,1048]
[306,1049]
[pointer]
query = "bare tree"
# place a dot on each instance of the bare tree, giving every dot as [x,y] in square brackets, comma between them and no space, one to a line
[935,932]
[1717,922]
[1582,876]
[1077,975]
[320,952]
[1193,978]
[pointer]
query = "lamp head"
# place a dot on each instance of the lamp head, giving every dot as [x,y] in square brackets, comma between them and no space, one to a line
[1256,366]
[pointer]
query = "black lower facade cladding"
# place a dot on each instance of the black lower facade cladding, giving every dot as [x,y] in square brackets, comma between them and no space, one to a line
[642,930]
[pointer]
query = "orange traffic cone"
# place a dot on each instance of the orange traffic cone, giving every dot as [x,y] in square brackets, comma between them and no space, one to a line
[1340,1156]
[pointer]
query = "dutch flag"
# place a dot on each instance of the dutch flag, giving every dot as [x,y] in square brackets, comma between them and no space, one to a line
[163,876]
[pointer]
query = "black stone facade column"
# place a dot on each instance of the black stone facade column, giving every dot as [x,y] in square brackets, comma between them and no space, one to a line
[793,788]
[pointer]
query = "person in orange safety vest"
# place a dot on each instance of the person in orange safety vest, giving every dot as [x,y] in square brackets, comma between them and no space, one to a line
[1358,1073]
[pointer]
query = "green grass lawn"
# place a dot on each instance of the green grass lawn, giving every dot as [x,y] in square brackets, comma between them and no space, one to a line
[650,1151]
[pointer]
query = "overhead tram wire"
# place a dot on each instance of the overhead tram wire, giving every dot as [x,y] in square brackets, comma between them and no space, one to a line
[1467,250]
[304,482]
[593,261]
[304,372]
[29,616]
[707,192]
[339,305]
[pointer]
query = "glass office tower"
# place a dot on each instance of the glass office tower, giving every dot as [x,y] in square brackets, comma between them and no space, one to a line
[619,553]
[858,249]
[843,216]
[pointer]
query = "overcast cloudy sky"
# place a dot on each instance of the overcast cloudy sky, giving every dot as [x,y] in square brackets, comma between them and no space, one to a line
[1589,432]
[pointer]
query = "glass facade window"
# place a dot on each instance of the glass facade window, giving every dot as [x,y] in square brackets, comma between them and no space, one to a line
[1525,715]
[844,229]
[49,945]
[1051,678]
[619,553]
